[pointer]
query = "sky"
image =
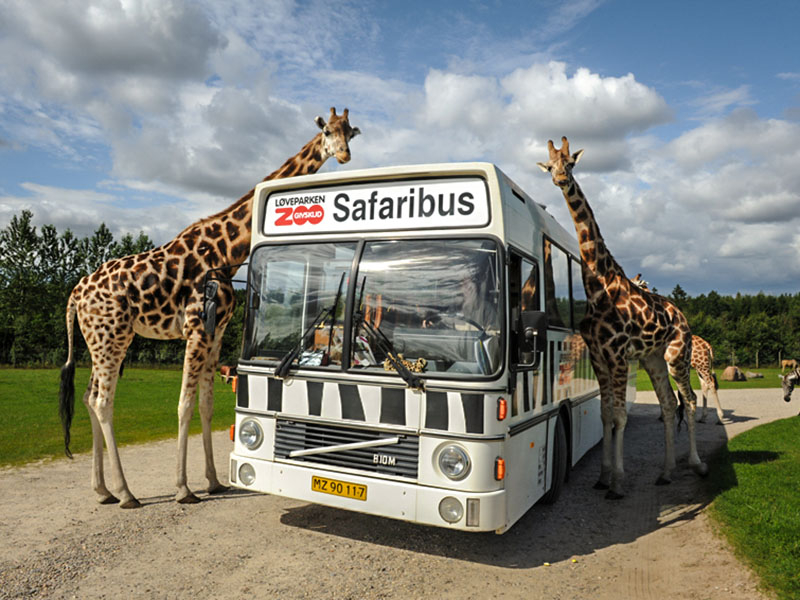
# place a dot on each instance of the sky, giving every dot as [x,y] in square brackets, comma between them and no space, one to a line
[147,115]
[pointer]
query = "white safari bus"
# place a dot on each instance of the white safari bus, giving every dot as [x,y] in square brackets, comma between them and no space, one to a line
[410,347]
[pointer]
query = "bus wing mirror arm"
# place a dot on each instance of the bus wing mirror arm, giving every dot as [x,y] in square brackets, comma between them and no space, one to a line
[534,331]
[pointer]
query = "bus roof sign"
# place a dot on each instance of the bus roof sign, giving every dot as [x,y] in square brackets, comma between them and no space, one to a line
[379,206]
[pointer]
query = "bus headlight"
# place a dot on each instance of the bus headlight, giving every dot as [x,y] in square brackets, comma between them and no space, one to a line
[454,462]
[451,510]
[247,474]
[250,434]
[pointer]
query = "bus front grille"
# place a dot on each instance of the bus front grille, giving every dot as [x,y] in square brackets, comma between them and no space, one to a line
[399,459]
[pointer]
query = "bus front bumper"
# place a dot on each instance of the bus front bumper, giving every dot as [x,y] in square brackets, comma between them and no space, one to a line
[480,511]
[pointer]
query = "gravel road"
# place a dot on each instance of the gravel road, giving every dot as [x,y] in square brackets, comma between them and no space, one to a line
[655,543]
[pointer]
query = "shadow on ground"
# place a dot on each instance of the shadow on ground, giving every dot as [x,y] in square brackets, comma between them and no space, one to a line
[580,523]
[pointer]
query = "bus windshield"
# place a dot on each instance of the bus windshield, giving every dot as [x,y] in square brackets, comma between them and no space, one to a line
[434,304]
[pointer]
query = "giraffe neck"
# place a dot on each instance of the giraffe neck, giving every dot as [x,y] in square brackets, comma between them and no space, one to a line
[597,260]
[224,238]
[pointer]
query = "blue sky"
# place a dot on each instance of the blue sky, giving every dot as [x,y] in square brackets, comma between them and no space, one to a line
[150,114]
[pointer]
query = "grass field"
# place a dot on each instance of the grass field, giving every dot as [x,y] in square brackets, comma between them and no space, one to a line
[770,380]
[145,409]
[755,481]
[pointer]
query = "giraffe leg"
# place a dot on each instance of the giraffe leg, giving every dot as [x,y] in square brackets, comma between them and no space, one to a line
[680,372]
[104,496]
[607,463]
[704,393]
[102,403]
[197,349]
[206,405]
[656,368]
[712,389]
[607,417]
[620,418]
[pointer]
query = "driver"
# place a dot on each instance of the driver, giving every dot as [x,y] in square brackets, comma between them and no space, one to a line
[472,305]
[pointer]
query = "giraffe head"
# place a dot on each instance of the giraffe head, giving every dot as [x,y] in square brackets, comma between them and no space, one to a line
[561,162]
[641,282]
[336,135]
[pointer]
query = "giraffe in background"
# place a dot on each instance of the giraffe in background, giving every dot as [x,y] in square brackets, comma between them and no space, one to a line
[161,294]
[702,362]
[625,322]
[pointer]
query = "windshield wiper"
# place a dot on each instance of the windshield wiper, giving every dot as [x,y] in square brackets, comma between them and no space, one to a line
[385,344]
[283,368]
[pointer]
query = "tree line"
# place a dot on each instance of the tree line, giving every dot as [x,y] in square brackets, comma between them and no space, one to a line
[38,270]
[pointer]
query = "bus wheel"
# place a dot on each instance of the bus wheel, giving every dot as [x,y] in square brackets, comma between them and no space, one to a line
[559,464]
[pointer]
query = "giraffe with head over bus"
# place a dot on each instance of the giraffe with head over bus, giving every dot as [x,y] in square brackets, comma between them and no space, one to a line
[623,322]
[163,294]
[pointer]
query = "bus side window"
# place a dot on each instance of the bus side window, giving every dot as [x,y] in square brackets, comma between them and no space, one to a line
[556,286]
[523,297]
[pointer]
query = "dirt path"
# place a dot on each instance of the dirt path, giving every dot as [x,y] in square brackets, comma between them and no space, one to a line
[655,543]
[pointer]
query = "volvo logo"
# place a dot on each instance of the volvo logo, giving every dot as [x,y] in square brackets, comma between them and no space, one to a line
[384,459]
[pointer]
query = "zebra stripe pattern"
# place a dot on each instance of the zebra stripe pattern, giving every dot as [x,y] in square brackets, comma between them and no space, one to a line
[473,413]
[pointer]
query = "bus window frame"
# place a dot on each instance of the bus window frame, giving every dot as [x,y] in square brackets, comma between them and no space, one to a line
[361,242]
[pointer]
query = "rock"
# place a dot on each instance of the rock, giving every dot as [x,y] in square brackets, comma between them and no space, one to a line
[733,374]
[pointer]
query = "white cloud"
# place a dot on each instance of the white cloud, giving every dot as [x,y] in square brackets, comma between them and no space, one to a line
[82,211]
[719,101]
[197,102]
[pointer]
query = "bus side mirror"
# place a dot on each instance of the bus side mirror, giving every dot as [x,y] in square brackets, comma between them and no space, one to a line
[209,314]
[534,332]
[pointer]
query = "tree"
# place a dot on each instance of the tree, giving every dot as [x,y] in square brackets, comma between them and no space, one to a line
[679,297]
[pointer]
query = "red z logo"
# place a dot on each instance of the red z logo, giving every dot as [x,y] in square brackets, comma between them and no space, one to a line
[285,217]
[299,215]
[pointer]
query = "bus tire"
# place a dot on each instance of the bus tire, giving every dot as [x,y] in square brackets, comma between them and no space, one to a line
[559,464]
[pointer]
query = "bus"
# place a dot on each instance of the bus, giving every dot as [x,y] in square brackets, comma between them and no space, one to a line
[411,347]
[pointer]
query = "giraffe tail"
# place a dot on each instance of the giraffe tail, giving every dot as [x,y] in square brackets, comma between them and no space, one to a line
[66,396]
[716,383]
[681,409]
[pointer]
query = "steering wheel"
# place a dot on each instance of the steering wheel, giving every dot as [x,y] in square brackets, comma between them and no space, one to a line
[464,319]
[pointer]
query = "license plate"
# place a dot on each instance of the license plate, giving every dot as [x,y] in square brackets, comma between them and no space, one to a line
[339,488]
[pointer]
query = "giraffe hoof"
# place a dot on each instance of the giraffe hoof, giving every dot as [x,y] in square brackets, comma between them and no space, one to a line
[600,486]
[188,499]
[663,481]
[132,503]
[109,499]
[612,495]
[701,469]
[218,489]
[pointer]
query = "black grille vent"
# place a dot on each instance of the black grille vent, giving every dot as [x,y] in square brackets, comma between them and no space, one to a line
[396,459]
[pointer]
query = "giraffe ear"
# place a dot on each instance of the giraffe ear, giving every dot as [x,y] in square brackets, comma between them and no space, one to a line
[577,156]
[320,122]
[543,167]
[355,131]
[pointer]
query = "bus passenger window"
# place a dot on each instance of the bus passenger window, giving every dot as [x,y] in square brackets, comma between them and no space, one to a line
[556,286]
[578,295]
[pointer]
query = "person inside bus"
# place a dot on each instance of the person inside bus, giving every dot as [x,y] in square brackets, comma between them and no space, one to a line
[472,303]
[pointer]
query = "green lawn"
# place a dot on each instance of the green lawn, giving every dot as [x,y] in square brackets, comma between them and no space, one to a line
[145,409]
[770,380]
[755,481]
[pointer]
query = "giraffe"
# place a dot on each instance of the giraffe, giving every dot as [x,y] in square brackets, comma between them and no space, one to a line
[702,362]
[625,322]
[161,294]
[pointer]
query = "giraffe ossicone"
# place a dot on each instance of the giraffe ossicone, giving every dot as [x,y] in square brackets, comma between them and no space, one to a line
[162,294]
[622,322]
